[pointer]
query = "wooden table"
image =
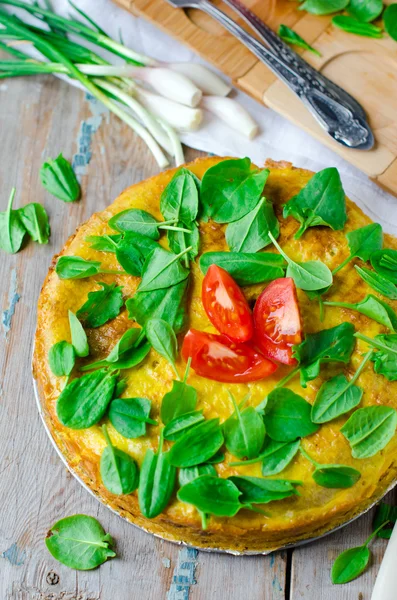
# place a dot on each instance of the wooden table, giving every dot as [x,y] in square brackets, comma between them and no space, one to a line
[40,117]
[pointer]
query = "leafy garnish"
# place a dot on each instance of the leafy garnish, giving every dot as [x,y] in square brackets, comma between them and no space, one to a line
[276,456]
[333,476]
[287,416]
[374,308]
[386,515]
[179,200]
[132,251]
[12,230]
[180,400]
[197,445]
[104,243]
[136,220]
[79,336]
[58,178]
[163,339]
[213,495]
[352,25]
[250,233]
[156,482]
[61,358]
[119,471]
[377,282]
[385,360]
[390,20]
[76,267]
[370,429]
[244,431]
[162,269]
[190,473]
[179,425]
[323,7]
[365,10]
[362,243]
[129,416]
[101,306]
[291,37]
[351,563]
[256,490]
[246,268]
[35,220]
[385,263]
[128,352]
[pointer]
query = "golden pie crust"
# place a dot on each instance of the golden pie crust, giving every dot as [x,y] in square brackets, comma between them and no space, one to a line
[317,510]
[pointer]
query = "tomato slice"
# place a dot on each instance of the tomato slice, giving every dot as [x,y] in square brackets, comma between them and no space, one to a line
[226,306]
[277,321]
[219,358]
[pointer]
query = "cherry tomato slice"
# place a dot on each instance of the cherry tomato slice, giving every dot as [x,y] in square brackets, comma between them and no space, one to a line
[219,358]
[226,306]
[277,321]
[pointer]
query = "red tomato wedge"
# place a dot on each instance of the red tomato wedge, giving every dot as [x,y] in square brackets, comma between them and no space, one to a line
[277,321]
[226,306]
[219,358]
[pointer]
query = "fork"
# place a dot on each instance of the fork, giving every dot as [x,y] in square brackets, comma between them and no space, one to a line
[340,115]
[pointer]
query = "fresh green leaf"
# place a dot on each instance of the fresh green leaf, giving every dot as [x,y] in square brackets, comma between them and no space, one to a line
[58,178]
[277,456]
[363,243]
[385,515]
[365,10]
[336,476]
[250,233]
[79,336]
[180,400]
[12,230]
[119,471]
[120,388]
[350,564]
[334,344]
[217,458]
[179,200]
[102,243]
[35,220]
[385,360]
[385,263]
[244,431]
[79,542]
[287,416]
[190,473]
[156,482]
[61,358]
[128,352]
[178,241]
[370,429]
[75,267]
[377,282]
[161,270]
[129,416]
[84,401]
[351,25]
[323,7]
[197,445]
[163,339]
[390,20]
[246,268]
[374,308]
[101,306]
[256,490]
[291,37]
[132,251]
[213,495]
[136,220]
[336,397]
[320,202]
[231,189]
[178,426]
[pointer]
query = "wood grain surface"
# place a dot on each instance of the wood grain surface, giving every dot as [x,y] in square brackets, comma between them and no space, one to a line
[40,117]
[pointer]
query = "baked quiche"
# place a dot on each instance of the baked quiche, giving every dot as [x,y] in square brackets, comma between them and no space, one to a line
[215,355]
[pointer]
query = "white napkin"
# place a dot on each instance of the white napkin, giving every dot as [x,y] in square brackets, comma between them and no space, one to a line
[278,138]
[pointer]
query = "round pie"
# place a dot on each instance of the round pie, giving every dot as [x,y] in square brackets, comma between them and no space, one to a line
[312,509]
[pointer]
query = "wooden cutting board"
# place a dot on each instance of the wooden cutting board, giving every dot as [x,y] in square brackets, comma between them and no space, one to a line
[365,67]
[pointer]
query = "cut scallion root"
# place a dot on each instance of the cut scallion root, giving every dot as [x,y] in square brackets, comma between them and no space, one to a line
[232,113]
[207,81]
[168,83]
[182,118]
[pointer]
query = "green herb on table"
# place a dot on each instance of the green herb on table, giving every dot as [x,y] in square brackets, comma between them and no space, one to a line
[244,431]
[386,515]
[182,399]
[390,20]
[373,308]
[370,429]
[338,395]
[320,202]
[377,282]
[84,401]
[385,359]
[139,221]
[256,490]
[291,37]
[197,445]
[323,7]
[104,243]
[12,229]
[162,269]
[287,416]
[119,471]
[61,358]
[275,456]
[101,306]
[35,220]
[365,10]
[79,542]
[385,263]
[251,232]
[311,275]
[128,352]
[363,243]
[156,482]
[231,189]
[351,25]
[332,476]
[76,267]
[179,425]
[79,336]
[58,178]
[246,268]
[180,200]
[213,495]
[163,339]
[130,416]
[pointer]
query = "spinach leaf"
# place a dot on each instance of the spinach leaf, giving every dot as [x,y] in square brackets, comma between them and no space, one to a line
[180,400]
[197,445]
[217,458]
[104,243]
[190,473]
[79,542]
[178,241]
[231,189]
[370,429]
[365,10]
[178,426]
[350,564]
[128,352]
[61,358]
[129,416]
[75,267]
[385,263]
[162,269]
[311,275]
[378,283]
[163,339]
[119,471]
[213,495]
[136,220]
[386,358]
[374,308]
[84,401]
[333,476]
[250,233]
[79,336]
[320,202]
[244,431]
[156,482]
[132,251]
[390,20]
[12,230]
[246,268]
[35,220]
[256,490]
[287,416]
[291,37]
[385,518]
[179,200]
[58,178]
[363,243]
[334,344]
[276,456]
[101,306]
[351,25]
[323,7]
